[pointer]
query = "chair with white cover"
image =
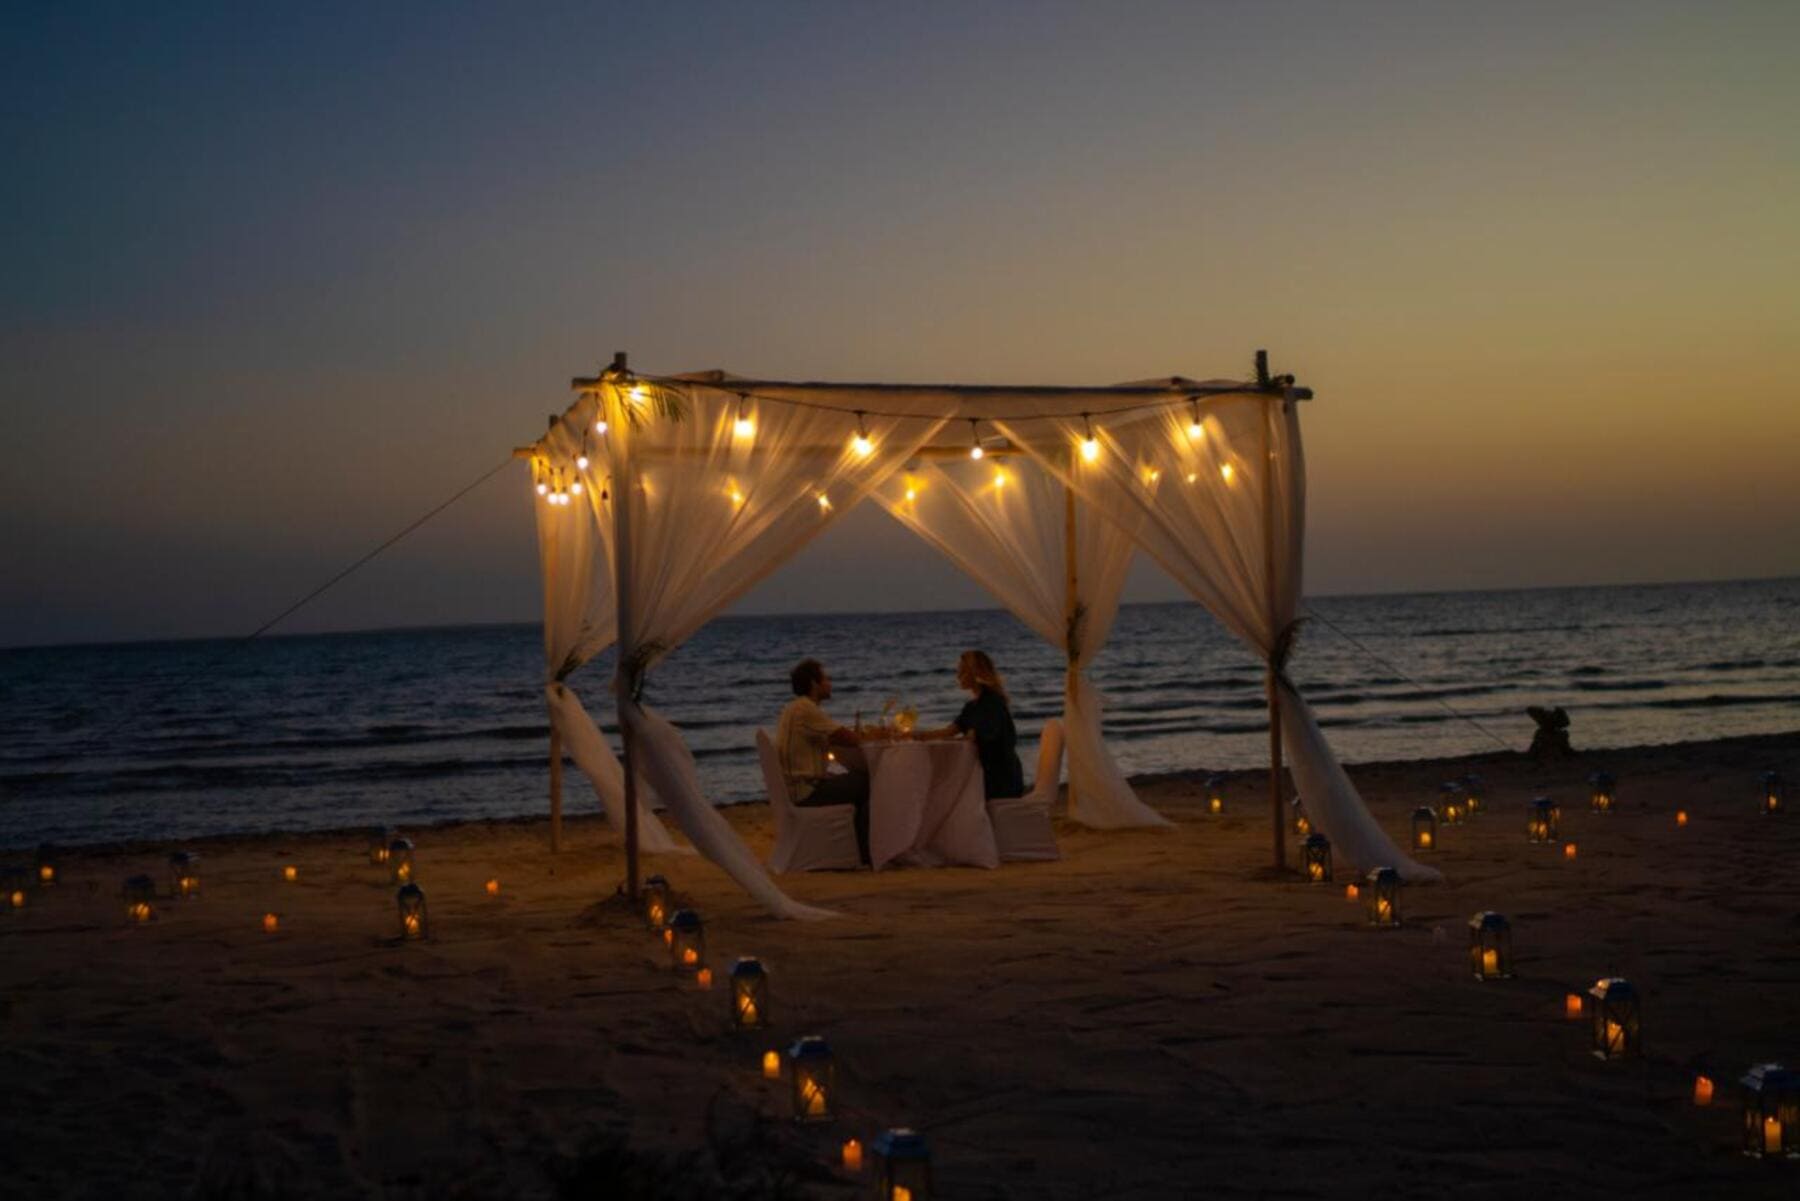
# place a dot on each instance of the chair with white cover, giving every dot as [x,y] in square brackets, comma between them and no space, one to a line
[806,839]
[1022,827]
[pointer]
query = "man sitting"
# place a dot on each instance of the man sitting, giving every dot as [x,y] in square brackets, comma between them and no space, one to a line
[803,739]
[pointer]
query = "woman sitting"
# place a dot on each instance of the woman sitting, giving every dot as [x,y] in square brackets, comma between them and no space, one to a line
[988,718]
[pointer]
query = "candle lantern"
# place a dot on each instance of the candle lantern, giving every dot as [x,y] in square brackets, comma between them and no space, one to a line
[1302,824]
[47,858]
[1474,794]
[1450,802]
[1773,793]
[1618,1019]
[379,838]
[184,875]
[1381,897]
[656,897]
[1315,859]
[901,1165]
[15,883]
[749,994]
[1603,793]
[400,861]
[812,1072]
[1490,946]
[1424,828]
[415,921]
[140,899]
[1771,1112]
[687,940]
[1215,795]
[1541,825]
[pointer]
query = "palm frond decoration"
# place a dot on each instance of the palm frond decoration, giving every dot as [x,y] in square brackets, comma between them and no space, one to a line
[647,399]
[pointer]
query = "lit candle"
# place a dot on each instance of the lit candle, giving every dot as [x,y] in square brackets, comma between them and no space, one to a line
[1315,871]
[771,1065]
[1703,1090]
[668,936]
[746,1005]
[690,957]
[1568,850]
[271,923]
[412,925]
[185,886]
[1771,1135]
[16,898]
[812,1098]
[1351,892]
[1384,909]
[141,911]
[852,1156]
[493,888]
[1490,962]
[657,914]
[704,977]
[1216,804]
[1615,1038]
[1572,1005]
[46,873]
[290,873]
[403,873]
[900,1193]
[1681,817]
[1425,840]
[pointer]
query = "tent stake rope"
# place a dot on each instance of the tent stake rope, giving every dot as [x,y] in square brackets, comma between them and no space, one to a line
[1442,704]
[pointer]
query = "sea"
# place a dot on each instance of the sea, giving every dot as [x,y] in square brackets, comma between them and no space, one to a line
[165,740]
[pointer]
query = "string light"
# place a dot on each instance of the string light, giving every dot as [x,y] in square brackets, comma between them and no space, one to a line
[600,426]
[999,479]
[975,451]
[744,426]
[575,487]
[1090,445]
[861,444]
[1195,429]
[1229,472]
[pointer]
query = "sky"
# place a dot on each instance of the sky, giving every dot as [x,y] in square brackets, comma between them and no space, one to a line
[275,280]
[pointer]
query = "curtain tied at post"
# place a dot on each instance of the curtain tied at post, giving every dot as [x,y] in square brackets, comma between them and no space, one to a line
[1283,650]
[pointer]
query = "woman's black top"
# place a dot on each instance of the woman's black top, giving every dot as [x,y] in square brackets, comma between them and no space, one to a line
[996,743]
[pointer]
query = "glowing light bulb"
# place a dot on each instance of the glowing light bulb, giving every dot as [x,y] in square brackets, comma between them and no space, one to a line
[575,487]
[1228,471]
[912,494]
[975,452]
[824,501]
[1193,477]
[1196,430]
[743,426]
[999,479]
[639,394]
[1090,448]
[737,498]
[600,426]
[543,488]
[581,461]
[862,446]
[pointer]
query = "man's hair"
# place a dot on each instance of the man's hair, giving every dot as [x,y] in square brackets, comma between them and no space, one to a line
[806,673]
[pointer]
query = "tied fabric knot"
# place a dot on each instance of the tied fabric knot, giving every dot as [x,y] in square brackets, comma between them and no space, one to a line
[1283,650]
[635,667]
[1073,632]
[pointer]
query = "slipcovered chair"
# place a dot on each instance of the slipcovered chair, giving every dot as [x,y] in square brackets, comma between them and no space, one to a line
[810,839]
[1022,829]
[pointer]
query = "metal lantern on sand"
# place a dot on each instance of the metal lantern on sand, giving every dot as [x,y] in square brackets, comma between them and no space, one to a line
[1490,946]
[1603,792]
[1381,897]
[812,1078]
[184,875]
[140,899]
[1215,795]
[749,994]
[1474,794]
[400,861]
[901,1166]
[1771,1112]
[1315,859]
[1450,802]
[1774,795]
[1540,826]
[379,838]
[1302,823]
[1618,1019]
[656,896]
[1424,828]
[687,940]
[415,922]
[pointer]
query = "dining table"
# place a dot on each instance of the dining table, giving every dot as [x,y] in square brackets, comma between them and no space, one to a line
[927,804]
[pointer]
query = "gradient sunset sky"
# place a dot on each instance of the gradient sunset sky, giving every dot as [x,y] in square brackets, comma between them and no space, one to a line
[277,280]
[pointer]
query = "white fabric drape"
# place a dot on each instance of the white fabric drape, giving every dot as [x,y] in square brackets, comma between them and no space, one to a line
[1192,485]
[707,494]
[1004,523]
[578,624]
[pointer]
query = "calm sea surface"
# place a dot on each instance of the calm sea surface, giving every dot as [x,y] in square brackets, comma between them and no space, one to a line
[185,738]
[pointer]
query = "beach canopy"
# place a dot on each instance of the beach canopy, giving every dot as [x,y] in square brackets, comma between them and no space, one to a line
[664,499]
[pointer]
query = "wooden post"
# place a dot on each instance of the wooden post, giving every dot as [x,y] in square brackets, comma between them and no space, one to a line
[556,758]
[1071,601]
[623,487]
[1274,692]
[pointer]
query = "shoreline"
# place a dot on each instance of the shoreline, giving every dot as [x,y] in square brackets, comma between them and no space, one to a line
[1594,759]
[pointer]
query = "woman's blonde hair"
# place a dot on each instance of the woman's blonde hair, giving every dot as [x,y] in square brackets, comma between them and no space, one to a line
[981,669]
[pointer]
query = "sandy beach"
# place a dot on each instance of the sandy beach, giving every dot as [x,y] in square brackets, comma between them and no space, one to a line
[1154,1016]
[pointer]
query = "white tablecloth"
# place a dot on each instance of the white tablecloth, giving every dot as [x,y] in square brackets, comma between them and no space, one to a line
[926,805]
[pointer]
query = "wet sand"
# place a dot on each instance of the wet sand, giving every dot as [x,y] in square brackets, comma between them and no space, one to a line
[1157,1015]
